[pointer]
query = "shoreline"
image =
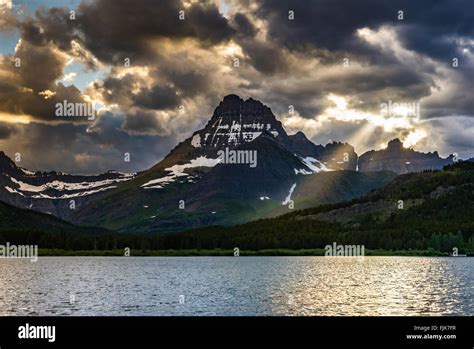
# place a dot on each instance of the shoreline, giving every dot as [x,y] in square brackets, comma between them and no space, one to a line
[230,253]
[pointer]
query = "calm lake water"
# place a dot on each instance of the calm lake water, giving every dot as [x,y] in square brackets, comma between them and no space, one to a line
[237,286]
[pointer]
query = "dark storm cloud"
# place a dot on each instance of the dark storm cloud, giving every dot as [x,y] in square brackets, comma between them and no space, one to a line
[171,84]
[143,122]
[116,90]
[331,24]
[380,84]
[7,130]
[31,88]
[31,32]
[306,101]
[434,43]
[144,150]
[207,23]
[45,109]
[265,57]
[457,103]
[39,66]
[50,25]
[331,27]
[157,97]
[244,26]
[166,85]
[15,100]
[374,86]
[75,149]
[327,31]
[457,135]
[189,82]
[115,29]
[324,23]
[435,28]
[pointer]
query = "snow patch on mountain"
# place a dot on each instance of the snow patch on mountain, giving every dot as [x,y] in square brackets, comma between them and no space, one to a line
[69,196]
[13,191]
[27,172]
[196,141]
[65,186]
[58,185]
[178,171]
[313,164]
[234,132]
[63,196]
[302,171]
[288,198]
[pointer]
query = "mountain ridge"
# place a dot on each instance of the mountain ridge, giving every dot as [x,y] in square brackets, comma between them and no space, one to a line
[401,160]
[436,214]
[213,191]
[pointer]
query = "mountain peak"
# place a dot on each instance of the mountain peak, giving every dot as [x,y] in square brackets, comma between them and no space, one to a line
[236,121]
[6,164]
[232,99]
[3,155]
[299,135]
[395,143]
[232,106]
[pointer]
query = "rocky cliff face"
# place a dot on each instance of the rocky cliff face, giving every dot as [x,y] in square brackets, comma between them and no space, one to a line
[237,122]
[400,160]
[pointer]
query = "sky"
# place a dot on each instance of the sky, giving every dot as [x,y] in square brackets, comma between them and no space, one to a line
[362,72]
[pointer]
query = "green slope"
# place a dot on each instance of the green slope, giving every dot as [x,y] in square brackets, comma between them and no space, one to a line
[226,194]
[438,213]
[24,226]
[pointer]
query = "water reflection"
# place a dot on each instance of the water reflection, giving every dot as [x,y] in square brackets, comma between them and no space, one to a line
[382,286]
[237,286]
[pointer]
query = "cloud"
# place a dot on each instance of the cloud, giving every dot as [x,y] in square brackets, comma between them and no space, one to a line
[7,130]
[7,17]
[333,24]
[157,97]
[50,25]
[453,135]
[78,148]
[30,84]
[244,25]
[69,77]
[321,23]
[176,64]
[127,31]
[145,122]
[408,59]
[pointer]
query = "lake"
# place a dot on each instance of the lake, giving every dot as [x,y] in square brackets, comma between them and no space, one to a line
[237,286]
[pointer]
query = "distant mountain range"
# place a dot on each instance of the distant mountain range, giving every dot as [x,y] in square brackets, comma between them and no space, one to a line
[400,160]
[209,178]
[52,192]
